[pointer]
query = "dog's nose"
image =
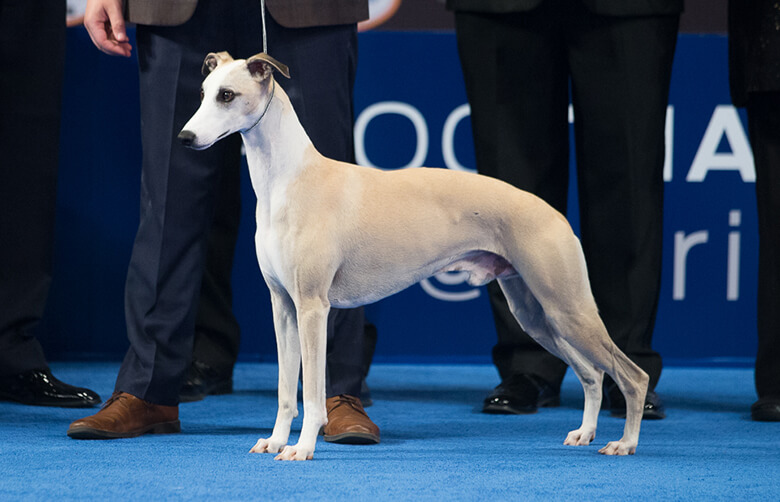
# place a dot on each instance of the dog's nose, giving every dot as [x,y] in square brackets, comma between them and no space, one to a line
[187,138]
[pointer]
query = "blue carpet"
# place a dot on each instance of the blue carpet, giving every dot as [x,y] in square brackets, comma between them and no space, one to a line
[435,446]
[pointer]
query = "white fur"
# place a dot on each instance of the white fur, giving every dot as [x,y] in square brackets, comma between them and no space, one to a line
[332,234]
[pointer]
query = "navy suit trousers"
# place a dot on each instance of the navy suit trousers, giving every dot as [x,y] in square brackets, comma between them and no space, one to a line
[180,187]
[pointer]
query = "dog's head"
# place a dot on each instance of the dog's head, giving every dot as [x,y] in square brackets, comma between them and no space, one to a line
[234,96]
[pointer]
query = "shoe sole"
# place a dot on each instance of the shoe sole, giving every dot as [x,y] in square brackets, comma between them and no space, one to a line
[217,390]
[765,417]
[352,438]
[647,415]
[495,409]
[76,403]
[91,433]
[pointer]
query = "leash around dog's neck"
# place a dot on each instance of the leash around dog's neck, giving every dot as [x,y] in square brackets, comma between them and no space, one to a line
[262,17]
[273,82]
[267,105]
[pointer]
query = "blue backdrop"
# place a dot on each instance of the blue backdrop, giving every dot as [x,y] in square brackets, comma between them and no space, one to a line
[411,110]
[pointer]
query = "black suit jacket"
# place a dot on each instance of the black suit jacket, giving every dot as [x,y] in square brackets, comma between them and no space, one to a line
[754,48]
[288,13]
[604,7]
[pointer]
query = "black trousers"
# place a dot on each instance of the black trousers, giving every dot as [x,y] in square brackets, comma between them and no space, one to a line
[520,70]
[32,43]
[764,129]
[184,191]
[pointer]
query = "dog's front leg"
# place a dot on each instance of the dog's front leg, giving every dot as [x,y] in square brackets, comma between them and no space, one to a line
[312,330]
[289,355]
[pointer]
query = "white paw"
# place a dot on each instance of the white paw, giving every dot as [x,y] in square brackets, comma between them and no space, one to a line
[267,446]
[618,448]
[295,453]
[580,437]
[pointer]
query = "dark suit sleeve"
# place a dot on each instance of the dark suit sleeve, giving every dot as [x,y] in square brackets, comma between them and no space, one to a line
[754,48]
[603,7]
[308,13]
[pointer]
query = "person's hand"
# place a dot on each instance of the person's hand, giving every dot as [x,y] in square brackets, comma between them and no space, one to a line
[106,27]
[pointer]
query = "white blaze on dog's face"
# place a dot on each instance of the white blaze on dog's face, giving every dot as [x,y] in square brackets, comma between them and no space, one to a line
[234,96]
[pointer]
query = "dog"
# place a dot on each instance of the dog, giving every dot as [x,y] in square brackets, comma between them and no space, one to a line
[334,234]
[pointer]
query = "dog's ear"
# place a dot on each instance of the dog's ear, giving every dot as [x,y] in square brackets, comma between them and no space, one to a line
[213,60]
[262,65]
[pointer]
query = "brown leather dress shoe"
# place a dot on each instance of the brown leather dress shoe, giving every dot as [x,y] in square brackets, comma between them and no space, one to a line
[348,422]
[126,416]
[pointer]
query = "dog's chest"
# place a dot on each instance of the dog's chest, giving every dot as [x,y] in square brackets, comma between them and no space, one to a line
[279,245]
[271,256]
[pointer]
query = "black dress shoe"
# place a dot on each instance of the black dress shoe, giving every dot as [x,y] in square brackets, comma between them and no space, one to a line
[203,380]
[521,394]
[766,409]
[653,410]
[41,388]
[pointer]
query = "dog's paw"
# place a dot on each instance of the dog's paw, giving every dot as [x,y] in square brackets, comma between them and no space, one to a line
[295,453]
[267,446]
[580,437]
[618,448]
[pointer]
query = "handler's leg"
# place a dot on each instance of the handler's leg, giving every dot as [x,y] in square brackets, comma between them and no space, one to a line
[517,84]
[621,69]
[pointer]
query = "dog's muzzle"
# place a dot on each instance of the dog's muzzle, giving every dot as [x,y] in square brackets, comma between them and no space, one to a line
[187,138]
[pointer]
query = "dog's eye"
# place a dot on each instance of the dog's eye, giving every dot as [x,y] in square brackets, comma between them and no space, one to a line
[226,96]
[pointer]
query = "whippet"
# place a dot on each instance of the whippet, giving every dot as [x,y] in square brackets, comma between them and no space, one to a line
[333,234]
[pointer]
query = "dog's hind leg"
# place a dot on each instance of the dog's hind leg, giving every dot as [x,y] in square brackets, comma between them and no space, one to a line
[632,381]
[589,365]
[531,316]
[312,332]
[578,336]
[592,346]
[289,355]
[591,379]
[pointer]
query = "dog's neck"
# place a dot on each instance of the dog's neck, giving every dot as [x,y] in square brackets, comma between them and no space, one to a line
[278,150]
[276,145]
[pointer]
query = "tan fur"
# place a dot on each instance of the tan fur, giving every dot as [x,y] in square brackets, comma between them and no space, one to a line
[331,234]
